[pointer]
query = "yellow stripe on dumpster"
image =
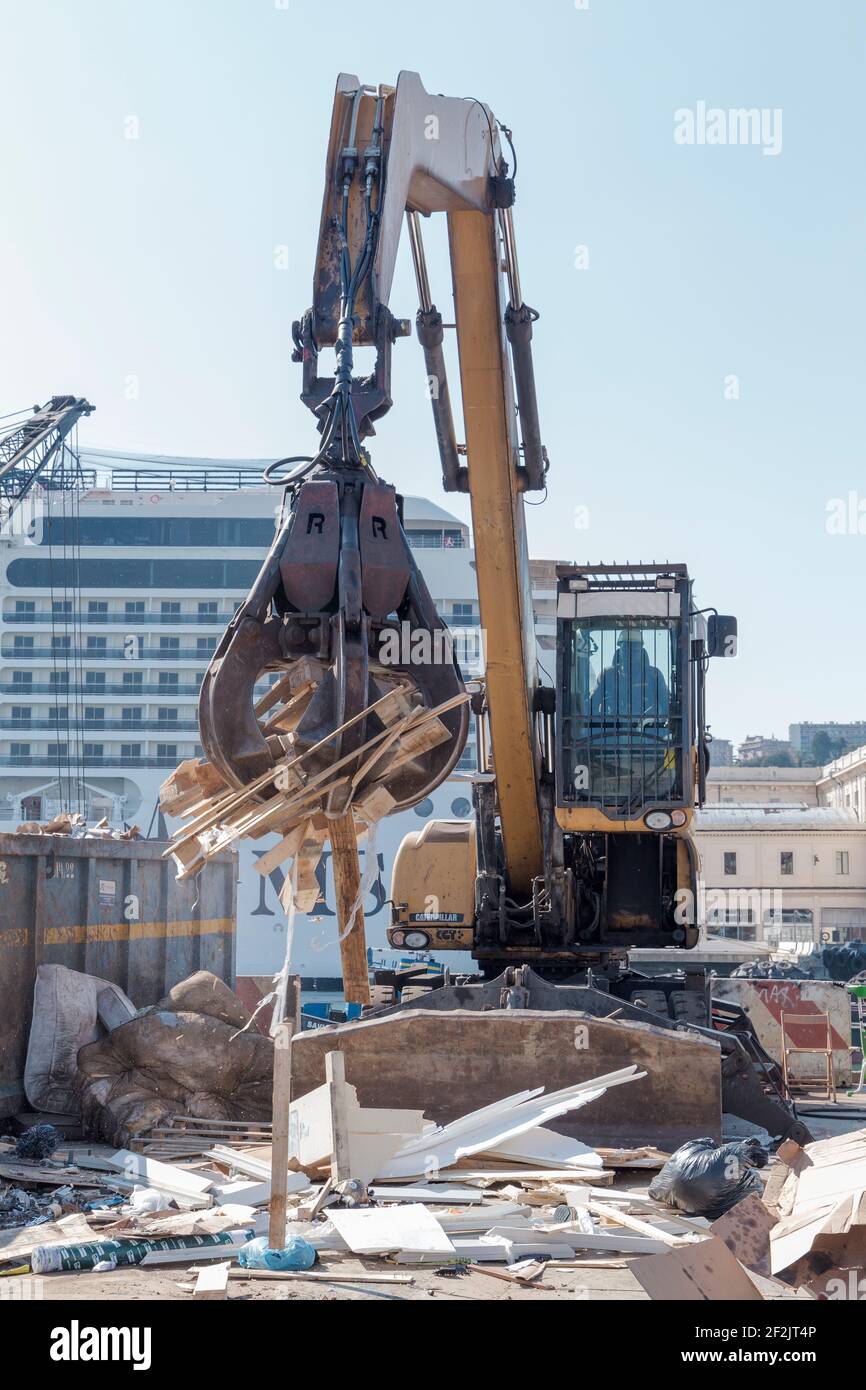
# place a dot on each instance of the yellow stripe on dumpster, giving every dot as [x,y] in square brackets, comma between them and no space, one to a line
[136,931]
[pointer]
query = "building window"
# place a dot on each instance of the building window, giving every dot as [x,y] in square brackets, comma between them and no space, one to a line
[130,751]
[93,751]
[21,714]
[92,678]
[97,606]
[22,644]
[166,750]
[20,750]
[133,680]
[842,861]
[24,605]
[22,677]
[166,714]
[210,607]
[168,680]
[789,924]
[169,608]
[61,605]
[96,644]
[59,679]
[169,644]
[94,714]
[61,750]
[134,606]
[131,714]
[205,645]
[60,644]
[730,861]
[786,861]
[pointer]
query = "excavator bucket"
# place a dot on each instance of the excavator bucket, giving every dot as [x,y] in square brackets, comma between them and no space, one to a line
[341,625]
[449,1062]
[456,1048]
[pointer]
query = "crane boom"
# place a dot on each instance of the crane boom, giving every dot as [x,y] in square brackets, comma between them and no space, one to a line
[29,452]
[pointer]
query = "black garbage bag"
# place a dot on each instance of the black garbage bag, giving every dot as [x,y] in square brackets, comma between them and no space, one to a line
[704,1178]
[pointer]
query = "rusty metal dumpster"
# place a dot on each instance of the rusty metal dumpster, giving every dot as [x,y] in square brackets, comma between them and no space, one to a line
[111,908]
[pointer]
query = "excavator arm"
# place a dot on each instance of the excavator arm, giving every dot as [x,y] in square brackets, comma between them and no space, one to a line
[442,155]
[341,573]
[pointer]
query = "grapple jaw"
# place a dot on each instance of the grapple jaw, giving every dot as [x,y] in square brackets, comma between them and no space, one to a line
[341,615]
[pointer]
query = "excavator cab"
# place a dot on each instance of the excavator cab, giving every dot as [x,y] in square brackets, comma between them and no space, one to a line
[625,701]
[623,757]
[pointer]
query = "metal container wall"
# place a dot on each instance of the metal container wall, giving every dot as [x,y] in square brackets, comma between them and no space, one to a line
[111,908]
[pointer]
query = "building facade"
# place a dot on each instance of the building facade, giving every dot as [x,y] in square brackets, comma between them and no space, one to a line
[756,747]
[783,874]
[722,753]
[842,783]
[762,786]
[802,736]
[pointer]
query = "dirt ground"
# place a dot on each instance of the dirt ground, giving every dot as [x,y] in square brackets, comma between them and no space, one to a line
[160,1284]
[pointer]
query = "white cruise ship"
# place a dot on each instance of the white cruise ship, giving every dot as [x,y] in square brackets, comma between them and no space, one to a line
[108,616]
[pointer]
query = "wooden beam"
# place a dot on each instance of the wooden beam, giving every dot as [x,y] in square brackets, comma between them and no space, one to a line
[282,1100]
[335,1076]
[347,882]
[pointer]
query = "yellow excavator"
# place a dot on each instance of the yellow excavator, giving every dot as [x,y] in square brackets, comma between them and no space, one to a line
[580,846]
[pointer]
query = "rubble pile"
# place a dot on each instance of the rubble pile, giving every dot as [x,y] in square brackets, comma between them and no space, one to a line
[73,823]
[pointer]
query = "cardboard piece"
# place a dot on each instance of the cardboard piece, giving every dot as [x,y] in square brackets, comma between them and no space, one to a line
[745,1229]
[704,1272]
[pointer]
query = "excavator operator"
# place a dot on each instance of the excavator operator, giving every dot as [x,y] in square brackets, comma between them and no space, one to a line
[631,687]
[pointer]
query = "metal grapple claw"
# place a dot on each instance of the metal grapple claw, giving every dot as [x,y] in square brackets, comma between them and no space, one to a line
[339,617]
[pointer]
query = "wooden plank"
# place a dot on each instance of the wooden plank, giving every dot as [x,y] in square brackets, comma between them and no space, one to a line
[374,804]
[634,1223]
[380,1230]
[212,1282]
[451,1194]
[166,1177]
[282,1095]
[300,890]
[347,882]
[335,1080]
[364,1276]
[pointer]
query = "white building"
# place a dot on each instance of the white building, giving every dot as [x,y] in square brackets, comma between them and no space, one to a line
[783,874]
[763,786]
[843,783]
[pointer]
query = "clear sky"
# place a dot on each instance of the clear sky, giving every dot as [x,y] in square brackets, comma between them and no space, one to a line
[141,272]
